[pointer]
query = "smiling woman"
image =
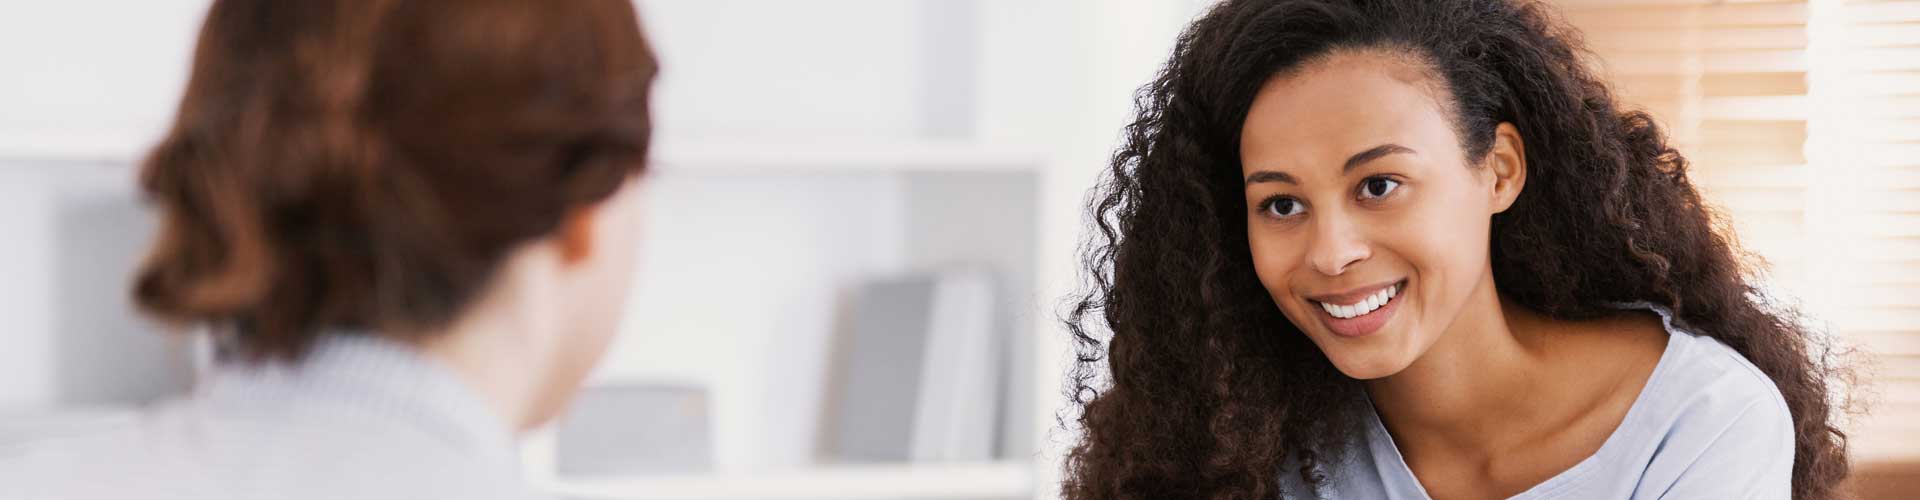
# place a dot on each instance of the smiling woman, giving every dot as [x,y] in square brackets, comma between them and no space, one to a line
[1414,249]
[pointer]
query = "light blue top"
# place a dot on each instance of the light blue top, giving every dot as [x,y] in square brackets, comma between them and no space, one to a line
[358,417]
[1708,424]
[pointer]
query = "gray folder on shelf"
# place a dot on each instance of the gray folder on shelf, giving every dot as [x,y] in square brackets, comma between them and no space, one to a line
[879,371]
[635,429]
[918,369]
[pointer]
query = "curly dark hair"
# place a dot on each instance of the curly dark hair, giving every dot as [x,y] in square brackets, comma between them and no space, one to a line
[1206,390]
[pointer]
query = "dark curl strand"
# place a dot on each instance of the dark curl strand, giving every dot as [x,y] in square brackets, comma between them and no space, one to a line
[1204,389]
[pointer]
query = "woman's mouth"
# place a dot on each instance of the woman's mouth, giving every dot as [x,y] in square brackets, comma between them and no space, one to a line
[1362,315]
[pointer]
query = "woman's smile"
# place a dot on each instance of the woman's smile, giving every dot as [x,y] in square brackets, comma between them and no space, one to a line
[1359,312]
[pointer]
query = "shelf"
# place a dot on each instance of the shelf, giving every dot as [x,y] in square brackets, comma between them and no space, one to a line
[77,421]
[669,157]
[121,147]
[1008,479]
[841,156]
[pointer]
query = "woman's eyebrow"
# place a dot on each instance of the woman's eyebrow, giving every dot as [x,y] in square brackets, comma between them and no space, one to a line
[1270,176]
[1373,154]
[1353,162]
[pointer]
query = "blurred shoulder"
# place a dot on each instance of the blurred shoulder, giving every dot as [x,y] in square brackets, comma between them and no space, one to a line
[181,453]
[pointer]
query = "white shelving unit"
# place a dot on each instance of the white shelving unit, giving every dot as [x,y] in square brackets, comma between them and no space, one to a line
[886,152]
[897,174]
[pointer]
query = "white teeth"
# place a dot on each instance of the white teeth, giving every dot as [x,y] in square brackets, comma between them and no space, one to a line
[1366,305]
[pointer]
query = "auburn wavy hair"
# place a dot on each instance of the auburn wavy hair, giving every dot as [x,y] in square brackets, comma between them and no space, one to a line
[367,164]
[1205,390]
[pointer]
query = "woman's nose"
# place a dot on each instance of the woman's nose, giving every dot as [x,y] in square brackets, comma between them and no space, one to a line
[1337,245]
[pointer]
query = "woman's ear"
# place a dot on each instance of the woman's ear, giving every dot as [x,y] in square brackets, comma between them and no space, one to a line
[1507,160]
[575,237]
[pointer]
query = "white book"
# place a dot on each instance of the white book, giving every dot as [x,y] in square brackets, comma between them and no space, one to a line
[959,401]
[880,359]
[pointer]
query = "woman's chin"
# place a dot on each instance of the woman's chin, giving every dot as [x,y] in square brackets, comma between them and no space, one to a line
[1369,365]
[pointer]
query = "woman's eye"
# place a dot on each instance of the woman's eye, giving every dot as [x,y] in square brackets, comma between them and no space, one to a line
[1377,187]
[1283,207]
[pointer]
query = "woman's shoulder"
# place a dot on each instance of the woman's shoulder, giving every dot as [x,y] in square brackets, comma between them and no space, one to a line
[1694,373]
[1715,389]
[195,449]
[1708,423]
[1715,426]
[1705,376]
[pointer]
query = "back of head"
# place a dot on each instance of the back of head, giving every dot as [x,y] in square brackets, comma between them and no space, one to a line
[368,164]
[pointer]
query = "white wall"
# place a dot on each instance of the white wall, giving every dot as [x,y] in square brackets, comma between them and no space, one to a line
[96,76]
[774,70]
[102,77]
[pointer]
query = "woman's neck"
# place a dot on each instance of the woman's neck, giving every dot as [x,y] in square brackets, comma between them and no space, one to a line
[501,344]
[1474,386]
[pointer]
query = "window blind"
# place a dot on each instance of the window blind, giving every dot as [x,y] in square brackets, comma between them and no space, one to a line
[1802,123]
[1864,135]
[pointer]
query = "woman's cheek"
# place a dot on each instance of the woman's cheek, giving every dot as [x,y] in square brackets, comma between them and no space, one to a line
[1275,260]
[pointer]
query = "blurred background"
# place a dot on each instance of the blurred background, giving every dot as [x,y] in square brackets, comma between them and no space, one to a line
[842,187]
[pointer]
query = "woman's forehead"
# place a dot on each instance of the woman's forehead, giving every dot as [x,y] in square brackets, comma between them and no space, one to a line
[1339,103]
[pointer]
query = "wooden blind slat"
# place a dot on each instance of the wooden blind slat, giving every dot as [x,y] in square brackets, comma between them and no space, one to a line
[1877,84]
[1881,13]
[1880,59]
[1600,16]
[1745,61]
[1725,38]
[1713,175]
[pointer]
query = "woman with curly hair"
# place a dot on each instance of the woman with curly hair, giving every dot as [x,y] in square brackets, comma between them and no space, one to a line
[1415,249]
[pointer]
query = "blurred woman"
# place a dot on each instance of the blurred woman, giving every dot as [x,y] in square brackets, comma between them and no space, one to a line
[1416,249]
[410,227]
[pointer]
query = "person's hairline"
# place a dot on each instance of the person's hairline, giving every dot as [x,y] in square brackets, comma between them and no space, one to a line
[1400,61]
